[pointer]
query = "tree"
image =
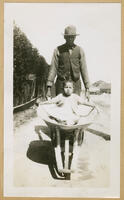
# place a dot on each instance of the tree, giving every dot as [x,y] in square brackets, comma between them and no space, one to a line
[27,60]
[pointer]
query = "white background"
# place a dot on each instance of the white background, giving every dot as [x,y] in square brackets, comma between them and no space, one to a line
[99,26]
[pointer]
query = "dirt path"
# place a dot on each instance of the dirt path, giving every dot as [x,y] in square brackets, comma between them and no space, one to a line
[32,166]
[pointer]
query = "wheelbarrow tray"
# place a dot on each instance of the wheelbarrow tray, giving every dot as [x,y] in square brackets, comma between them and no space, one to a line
[67,127]
[83,123]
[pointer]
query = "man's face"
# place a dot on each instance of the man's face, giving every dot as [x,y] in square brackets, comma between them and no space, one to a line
[70,39]
[68,88]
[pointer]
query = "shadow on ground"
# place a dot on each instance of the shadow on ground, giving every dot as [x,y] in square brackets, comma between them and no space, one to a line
[42,152]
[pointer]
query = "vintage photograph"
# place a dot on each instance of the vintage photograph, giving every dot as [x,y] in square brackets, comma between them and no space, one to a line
[62,83]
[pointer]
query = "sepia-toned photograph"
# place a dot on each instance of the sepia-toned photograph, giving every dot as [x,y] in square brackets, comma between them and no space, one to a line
[62,83]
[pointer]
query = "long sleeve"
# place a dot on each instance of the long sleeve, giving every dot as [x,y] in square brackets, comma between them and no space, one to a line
[56,99]
[53,68]
[82,101]
[84,71]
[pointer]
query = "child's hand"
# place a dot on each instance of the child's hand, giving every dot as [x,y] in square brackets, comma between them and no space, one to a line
[59,103]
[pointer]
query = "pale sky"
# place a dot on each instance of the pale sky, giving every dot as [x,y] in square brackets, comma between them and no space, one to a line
[99,26]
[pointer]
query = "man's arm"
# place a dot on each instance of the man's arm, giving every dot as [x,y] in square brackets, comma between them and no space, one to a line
[53,69]
[83,68]
[84,72]
[52,72]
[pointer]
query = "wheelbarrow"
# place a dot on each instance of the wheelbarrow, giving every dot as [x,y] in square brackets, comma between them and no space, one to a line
[65,141]
[66,157]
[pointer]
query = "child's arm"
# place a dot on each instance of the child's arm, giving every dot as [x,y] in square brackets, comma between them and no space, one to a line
[87,103]
[91,104]
[47,102]
[81,101]
[54,100]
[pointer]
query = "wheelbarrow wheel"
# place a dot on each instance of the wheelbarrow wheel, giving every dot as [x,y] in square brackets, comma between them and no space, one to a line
[53,136]
[67,176]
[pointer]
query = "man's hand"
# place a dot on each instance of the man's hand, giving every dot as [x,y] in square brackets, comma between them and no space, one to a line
[87,94]
[48,94]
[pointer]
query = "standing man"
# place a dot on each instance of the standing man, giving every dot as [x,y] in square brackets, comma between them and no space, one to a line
[68,63]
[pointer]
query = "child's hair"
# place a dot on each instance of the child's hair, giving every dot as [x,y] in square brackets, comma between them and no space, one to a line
[68,81]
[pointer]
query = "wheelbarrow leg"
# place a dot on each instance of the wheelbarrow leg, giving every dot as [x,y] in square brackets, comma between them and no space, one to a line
[75,152]
[58,151]
[66,161]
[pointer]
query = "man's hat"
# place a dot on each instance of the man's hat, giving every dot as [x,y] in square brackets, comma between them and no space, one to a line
[70,30]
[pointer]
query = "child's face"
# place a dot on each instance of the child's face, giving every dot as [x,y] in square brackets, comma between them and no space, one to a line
[68,88]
